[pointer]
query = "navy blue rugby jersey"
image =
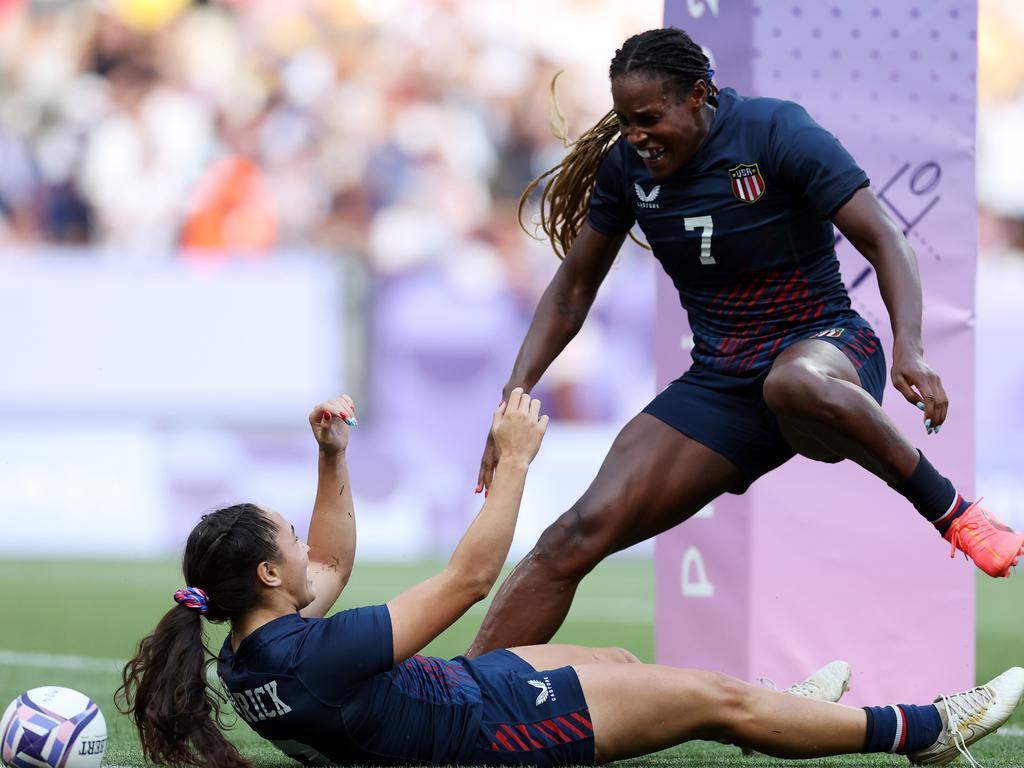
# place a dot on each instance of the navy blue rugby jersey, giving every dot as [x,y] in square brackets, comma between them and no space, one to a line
[326,692]
[743,229]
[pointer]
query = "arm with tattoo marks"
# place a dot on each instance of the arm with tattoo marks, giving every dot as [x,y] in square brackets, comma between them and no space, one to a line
[332,526]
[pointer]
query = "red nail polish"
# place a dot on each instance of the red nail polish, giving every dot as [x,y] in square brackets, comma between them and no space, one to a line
[487,492]
[327,415]
[501,404]
[478,489]
[343,415]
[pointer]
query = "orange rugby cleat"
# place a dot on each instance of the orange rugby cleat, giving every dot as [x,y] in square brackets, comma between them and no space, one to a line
[989,542]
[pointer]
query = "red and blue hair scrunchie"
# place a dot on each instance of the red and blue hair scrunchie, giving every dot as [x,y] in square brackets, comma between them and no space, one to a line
[192,597]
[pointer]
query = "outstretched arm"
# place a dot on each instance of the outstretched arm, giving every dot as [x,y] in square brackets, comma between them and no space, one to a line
[422,613]
[865,224]
[332,526]
[558,318]
[564,305]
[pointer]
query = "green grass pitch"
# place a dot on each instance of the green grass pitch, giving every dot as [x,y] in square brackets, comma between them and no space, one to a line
[88,612]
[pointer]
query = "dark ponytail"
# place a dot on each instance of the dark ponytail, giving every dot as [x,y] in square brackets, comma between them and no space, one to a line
[165,689]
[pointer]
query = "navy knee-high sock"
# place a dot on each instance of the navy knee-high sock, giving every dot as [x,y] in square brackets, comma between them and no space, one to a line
[932,495]
[903,728]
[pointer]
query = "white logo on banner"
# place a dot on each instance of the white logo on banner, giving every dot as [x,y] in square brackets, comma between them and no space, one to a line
[697,7]
[694,577]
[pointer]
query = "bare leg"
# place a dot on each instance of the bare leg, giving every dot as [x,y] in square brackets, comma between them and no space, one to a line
[653,478]
[824,412]
[555,655]
[636,710]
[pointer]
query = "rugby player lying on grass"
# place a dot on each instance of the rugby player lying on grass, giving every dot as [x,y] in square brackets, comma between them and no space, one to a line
[352,689]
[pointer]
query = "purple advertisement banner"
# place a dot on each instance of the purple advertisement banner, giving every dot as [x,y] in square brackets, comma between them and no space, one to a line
[803,567]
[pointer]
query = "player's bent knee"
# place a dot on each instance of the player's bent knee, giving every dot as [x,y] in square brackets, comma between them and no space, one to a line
[728,705]
[627,656]
[796,390]
[618,656]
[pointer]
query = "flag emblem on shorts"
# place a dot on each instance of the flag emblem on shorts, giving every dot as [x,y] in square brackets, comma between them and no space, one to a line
[832,333]
[747,182]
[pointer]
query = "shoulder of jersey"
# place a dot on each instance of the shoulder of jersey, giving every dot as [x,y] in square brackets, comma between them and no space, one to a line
[756,115]
[757,106]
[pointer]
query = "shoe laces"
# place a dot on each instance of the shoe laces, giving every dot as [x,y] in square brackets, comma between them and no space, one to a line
[962,523]
[960,708]
[804,688]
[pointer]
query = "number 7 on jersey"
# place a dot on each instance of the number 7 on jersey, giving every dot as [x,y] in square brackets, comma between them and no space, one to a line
[707,227]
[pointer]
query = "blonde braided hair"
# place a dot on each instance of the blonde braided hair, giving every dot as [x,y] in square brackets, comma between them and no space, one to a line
[565,200]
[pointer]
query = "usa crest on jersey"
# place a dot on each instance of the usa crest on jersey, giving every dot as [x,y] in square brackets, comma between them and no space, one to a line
[747,182]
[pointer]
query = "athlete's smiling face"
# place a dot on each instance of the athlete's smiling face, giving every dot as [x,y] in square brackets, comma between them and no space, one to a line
[664,127]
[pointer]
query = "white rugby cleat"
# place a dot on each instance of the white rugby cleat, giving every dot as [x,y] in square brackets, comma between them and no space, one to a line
[971,715]
[827,684]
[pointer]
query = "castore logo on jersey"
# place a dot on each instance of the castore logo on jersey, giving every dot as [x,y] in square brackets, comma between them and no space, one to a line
[646,199]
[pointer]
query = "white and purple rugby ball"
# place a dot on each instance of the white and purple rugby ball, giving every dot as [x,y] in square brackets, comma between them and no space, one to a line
[52,727]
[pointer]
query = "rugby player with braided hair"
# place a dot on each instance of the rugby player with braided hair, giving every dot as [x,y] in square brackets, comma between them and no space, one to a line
[737,198]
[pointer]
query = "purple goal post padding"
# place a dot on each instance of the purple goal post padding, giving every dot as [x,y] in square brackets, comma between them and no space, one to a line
[819,561]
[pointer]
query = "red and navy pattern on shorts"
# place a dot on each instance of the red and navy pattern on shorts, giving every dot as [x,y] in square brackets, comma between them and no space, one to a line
[432,679]
[530,717]
[542,734]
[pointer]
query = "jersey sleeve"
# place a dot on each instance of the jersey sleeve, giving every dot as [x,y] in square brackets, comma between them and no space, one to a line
[345,649]
[610,211]
[811,163]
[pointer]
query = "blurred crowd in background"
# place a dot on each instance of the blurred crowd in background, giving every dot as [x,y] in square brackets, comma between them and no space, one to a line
[1000,127]
[245,127]
[393,134]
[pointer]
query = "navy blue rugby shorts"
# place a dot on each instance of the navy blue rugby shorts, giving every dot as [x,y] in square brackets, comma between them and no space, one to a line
[530,717]
[727,413]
